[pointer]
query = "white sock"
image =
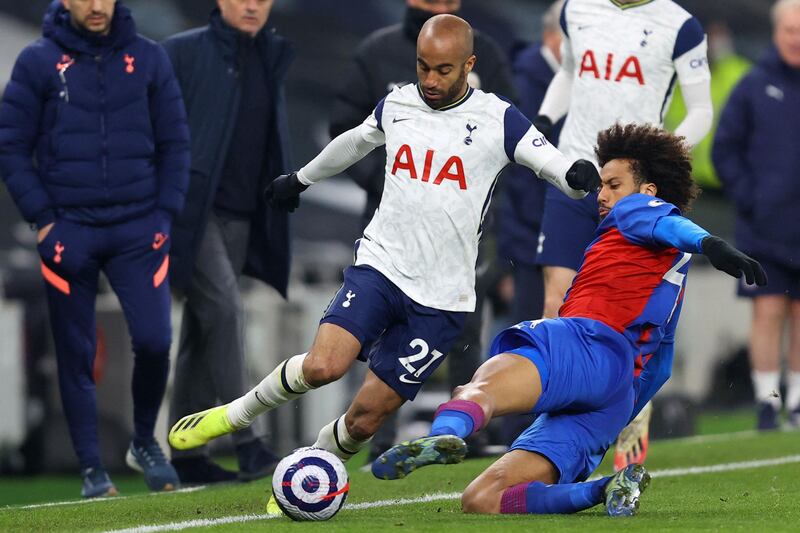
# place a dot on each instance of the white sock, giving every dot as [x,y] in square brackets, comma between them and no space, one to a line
[767,387]
[335,438]
[283,384]
[793,391]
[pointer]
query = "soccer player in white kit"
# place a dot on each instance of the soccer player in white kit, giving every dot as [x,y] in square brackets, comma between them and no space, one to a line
[404,300]
[621,60]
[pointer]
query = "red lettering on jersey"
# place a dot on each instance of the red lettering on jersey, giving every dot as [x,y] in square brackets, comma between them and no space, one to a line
[453,169]
[609,63]
[405,164]
[426,172]
[631,69]
[589,64]
[458,175]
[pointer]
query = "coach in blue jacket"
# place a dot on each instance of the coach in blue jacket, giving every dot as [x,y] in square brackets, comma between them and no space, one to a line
[756,153]
[231,73]
[94,151]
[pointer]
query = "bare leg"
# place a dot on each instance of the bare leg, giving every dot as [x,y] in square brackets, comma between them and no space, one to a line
[507,383]
[374,402]
[331,355]
[793,378]
[485,492]
[769,316]
[523,482]
[794,339]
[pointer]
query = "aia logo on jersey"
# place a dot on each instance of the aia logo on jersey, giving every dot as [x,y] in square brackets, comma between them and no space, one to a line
[453,169]
[615,70]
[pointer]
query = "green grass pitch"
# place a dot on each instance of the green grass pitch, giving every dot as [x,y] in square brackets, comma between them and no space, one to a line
[752,497]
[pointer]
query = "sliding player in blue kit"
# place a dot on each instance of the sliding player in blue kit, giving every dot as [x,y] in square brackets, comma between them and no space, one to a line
[590,371]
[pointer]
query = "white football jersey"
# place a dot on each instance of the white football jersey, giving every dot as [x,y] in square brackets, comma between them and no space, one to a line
[625,59]
[441,169]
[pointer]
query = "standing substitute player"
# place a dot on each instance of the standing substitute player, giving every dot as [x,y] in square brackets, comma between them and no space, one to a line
[404,300]
[621,59]
[582,372]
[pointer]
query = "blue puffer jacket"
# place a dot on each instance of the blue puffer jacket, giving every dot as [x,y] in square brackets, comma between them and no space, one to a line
[105,119]
[757,157]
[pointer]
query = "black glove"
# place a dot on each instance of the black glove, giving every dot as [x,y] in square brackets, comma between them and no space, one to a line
[284,192]
[544,125]
[583,176]
[730,260]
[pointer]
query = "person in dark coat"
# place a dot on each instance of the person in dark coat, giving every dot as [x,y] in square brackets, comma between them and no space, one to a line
[94,150]
[756,157]
[380,63]
[231,73]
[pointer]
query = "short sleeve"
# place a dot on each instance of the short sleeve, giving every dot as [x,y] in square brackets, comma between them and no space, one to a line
[690,55]
[515,126]
[689,36]
[378,114]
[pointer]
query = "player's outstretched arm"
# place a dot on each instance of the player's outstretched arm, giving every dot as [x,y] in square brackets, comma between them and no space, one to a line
[686,236]
[342,152]
[731,261]
[526,145]
[573,178]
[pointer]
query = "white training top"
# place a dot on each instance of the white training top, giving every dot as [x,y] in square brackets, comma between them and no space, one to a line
[620,64]
[441,169]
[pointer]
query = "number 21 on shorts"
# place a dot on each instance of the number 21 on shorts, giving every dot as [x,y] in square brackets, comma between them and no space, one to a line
[424,352]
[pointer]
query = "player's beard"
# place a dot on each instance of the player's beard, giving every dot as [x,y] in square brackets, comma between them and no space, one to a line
[454,93]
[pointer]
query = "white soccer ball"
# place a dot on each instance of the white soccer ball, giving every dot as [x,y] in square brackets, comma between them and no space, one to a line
[310,484]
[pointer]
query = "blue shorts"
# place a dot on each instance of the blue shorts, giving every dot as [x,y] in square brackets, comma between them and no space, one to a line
[403,340]
[783,280]
[568,226]
[587,390]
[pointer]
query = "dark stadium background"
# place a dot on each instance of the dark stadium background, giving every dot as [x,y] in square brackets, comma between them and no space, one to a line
[325,33]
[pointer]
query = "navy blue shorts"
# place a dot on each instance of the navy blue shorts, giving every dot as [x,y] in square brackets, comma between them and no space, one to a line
[587,390]
[403,340]
[568,226]
[783,280]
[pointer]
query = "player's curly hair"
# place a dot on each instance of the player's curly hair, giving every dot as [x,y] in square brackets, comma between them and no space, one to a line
[657,156]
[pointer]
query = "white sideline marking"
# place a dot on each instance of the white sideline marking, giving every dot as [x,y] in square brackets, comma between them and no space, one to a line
[714,437]
[694,470]
[725,467]
[178,526]
[698,439]
[99,500]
